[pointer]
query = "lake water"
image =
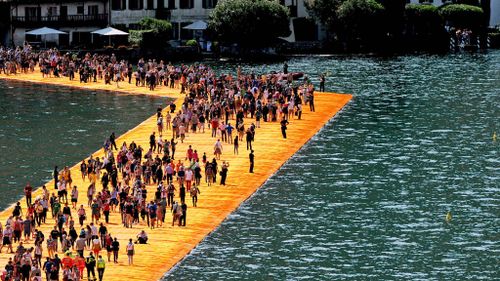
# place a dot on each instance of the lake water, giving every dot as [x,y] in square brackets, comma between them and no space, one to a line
[366,199]
[42,126]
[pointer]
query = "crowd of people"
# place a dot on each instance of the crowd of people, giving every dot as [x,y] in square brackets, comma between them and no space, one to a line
[118,183]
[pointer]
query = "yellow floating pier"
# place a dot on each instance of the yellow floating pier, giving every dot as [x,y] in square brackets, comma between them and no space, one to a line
[168,245]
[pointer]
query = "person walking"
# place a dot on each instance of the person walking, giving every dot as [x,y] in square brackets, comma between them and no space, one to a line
[223,172]
[218,149]
[27,193]
[101,265]
[115,245]
[251,157]
[194,194]
[236,145]
[182,221]
[283,123]
[130,252]
[90,265]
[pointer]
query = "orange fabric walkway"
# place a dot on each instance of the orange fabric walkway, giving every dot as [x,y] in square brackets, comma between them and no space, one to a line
[168,245]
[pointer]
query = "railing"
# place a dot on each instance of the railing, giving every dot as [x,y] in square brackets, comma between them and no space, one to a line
[20,2]
[60,21]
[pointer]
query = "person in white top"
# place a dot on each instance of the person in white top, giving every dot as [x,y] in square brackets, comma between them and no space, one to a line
[188,178]
[218,149]
[130,252]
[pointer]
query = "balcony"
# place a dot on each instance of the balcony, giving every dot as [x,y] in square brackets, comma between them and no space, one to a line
[37,2]
[61,21]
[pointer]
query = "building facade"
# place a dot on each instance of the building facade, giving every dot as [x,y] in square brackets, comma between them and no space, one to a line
[76,18]
[179,12]
[184,12]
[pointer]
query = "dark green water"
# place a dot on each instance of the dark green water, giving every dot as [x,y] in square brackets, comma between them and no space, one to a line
[364,200]
[42,126]
[367,197]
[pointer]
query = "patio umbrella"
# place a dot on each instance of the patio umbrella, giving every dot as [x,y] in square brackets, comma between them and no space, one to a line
[197,25]
[109,31]
[45,31]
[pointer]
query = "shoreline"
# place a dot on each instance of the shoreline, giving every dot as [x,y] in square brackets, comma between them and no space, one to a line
[170,245]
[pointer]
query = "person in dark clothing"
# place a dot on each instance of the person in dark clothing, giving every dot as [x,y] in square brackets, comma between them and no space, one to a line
[251,157]
[223,173]
[115,245]
[112,140]
[249,138]
[182,193]
[90,265]
[283,123]
[152,141]
[55,174]
[182,220]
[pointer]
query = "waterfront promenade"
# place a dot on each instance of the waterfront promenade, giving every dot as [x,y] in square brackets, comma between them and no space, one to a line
[167,245]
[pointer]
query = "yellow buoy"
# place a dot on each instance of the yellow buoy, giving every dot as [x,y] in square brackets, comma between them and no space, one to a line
[448,217]
[494,136]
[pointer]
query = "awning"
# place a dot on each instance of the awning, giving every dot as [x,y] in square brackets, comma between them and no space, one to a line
[45,31]
[197,25]
[109,31]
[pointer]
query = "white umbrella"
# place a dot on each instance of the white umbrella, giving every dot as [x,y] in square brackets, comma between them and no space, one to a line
[197,25]
[109,31]
[45,31]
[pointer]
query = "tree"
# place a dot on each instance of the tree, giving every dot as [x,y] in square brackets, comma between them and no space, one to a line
[249,22]
[425,27]
[361,22]
[463,16]
[325,11]
[153,33]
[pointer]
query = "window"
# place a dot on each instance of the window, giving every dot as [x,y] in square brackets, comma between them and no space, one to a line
[117,5]
[79,10]
[93,9]
[31,13]
[135,4]
[150,5]
[160,4]
[171,4]
[209,4]
[52,11]
[186,4]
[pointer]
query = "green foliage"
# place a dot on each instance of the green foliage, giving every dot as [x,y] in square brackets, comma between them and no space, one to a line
[135,37]
[249,22]
[421,11]
[154,33]
[361,20]
[156,25]
[424,23]
[192,43]
[324,11]
[462,16]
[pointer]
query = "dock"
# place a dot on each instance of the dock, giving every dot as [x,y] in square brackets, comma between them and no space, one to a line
[168,245]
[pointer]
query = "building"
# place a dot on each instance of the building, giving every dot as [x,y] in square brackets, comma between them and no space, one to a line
[494,8]
[5,22]
[179,12]
[75,17]
[184,12]
[302,26]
